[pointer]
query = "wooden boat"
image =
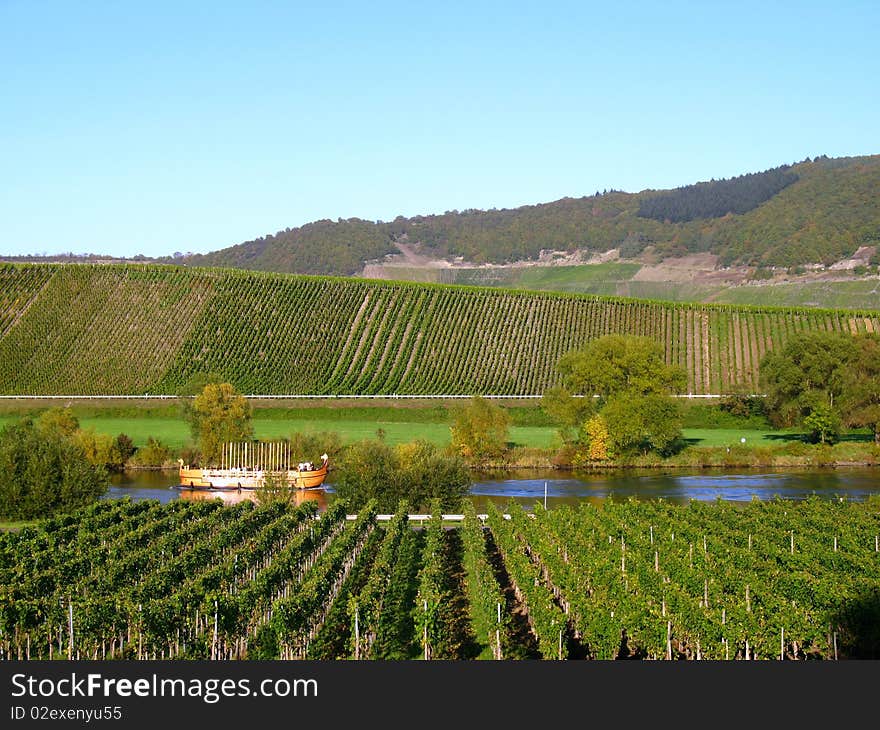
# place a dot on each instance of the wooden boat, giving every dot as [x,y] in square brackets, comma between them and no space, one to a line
[305,476]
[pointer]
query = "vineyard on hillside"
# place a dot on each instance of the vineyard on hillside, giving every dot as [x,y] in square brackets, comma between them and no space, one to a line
[144,329]
[647,580]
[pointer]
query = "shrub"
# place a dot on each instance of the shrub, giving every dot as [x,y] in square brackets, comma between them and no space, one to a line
[44,473]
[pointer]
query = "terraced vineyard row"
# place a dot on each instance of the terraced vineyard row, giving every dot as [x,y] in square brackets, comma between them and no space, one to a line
[133,330]
[650,580]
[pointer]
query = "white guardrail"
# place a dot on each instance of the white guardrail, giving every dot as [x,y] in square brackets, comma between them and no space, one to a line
[256,396]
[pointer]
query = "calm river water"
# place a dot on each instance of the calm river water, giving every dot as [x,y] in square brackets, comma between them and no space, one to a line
[528,486]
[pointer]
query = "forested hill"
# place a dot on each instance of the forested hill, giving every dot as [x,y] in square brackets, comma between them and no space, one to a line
[815,211]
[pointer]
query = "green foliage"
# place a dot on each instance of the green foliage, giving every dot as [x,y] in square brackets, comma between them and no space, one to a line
[417,472]
[633,383]
[186,395]
[566,412]
[222,415]
[861,401]
[58,422]
[154,454]
[479,431]
[815,211]
[743,405]
[620,363]
[124,448]
[275,490]
[277,334]
[823,424]
[810,371]
[717,198]
[309,446]
[642,423]
[44,472]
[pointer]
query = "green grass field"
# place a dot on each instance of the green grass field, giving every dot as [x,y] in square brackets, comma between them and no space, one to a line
[397,428]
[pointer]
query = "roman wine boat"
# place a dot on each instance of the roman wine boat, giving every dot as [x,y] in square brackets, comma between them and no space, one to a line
[250,465]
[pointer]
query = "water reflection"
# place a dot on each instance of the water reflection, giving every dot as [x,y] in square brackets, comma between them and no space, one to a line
[163,487]
[527,487]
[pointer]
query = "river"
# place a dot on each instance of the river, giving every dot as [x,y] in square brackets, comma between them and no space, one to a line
[527,487]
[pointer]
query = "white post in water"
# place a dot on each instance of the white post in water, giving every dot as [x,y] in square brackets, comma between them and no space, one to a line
[545,495]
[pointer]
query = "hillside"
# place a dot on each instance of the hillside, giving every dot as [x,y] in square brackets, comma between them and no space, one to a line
[815,211]
[146,329]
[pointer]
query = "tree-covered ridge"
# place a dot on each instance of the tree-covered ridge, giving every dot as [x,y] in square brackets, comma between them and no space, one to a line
[824,215]
[147,329]
[717,198]
[322,247]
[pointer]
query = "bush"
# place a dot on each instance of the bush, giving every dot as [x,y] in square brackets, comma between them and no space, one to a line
[306,446]
[44,473]
[154,454]
[417,472]
[479,430]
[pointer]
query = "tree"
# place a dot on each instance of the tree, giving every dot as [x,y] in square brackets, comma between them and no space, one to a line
[221,415]
[274,489]
[417,472]
[642,423]
[620,363]
[595,438]
[58,421]
[810,371]
[186,397]
[823,424]
[633,384]
[44,473]
[861,402]
[479,430]
[567,412]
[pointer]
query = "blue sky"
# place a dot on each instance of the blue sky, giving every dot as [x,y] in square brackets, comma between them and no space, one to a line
[157,127]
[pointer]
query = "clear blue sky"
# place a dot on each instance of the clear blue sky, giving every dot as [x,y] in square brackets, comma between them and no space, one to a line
[157,127]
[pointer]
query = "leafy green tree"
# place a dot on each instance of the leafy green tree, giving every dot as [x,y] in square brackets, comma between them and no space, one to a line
[58,421]
[620,363]
[98,447]
[642,423]
[810,371]
[633,383]
[44,472]
[222,415]
[823,424]
[124,448]
[480,430]
[861,402]
[567,413]
[274,489]
[417,472]
[153,454]
[186,395]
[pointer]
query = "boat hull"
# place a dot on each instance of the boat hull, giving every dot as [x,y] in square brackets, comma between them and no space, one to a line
[243,479]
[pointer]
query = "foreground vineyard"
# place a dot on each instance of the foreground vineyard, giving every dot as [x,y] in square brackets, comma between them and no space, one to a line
[648,580]
[118,330]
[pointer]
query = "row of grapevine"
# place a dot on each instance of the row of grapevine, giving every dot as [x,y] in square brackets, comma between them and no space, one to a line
[149,329]
[653,580]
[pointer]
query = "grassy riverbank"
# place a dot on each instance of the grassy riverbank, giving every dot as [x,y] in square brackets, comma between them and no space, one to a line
[713,437]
